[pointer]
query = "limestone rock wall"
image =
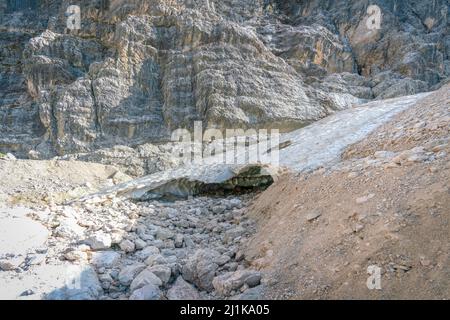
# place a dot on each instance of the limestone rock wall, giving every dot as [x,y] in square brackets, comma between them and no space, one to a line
[138,69]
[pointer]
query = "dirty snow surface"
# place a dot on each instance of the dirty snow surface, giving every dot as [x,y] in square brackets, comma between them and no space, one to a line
[322,142]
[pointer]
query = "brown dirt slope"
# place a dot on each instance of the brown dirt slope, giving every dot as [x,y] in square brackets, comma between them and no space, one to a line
[319,232]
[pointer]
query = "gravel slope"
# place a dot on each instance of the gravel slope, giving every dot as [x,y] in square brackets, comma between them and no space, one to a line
[386,204]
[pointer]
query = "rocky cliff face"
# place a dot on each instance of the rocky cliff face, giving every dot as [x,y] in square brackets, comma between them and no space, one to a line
[138,69]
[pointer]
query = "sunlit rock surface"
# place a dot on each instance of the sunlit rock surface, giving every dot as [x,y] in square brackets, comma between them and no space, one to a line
[139,69]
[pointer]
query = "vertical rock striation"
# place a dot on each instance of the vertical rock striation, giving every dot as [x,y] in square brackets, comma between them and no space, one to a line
[138,69]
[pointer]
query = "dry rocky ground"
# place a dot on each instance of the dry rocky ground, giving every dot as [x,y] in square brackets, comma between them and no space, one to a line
[117,250]
[311,235]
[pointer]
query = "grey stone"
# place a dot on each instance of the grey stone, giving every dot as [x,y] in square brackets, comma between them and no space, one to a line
[222,260]
[200,269]
[162,272]
[147,252]
[231,281]
[156,259]
[148,292]
[140,244]
[218,209]
[311,216]
[145,277]
[127,246]
[256,293]
[7,265]
[128,273]
[164,234]
[179,240]
[105,259]
[181,290]
[232,234]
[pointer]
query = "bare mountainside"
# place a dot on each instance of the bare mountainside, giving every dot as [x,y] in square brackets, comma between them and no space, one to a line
[346,198]
[138,69]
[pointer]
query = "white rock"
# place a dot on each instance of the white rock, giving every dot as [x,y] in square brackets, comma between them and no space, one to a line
[99,241]
[69,212]
[417,158]
[69,229]
[81,284]
[364,199]
[383,154]
[75,255]
[10,156]
[120,177]
[313,216]
[117,236]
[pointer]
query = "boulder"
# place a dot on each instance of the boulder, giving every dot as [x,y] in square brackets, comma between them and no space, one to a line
[155,259]
[232,281]
[148,292]
[128,273]
[162,272]
[82,284]
[105,259]
[127,246]
[200,268]
[99,241]
[181,290]
[144,278]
